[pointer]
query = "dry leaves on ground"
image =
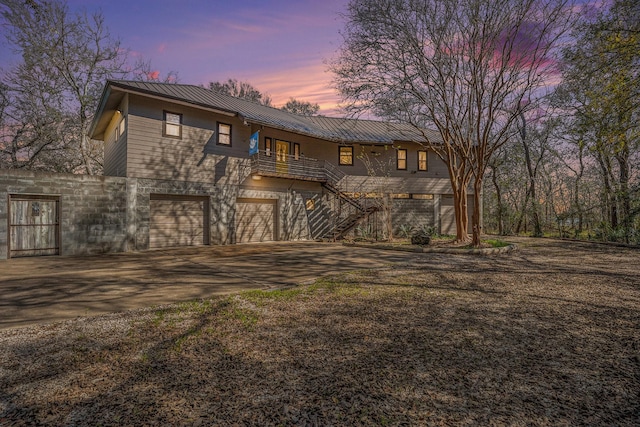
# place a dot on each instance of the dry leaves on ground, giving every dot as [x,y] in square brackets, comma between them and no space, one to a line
[549,335]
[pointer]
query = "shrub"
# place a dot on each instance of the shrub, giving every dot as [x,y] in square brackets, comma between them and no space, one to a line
[420,238]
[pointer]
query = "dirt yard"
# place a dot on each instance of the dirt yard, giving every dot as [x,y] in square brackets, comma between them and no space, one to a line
[546,335]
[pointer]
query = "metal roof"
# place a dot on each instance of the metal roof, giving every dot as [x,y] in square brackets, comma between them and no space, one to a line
[341,130]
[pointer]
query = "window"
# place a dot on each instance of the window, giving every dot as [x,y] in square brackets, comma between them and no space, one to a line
[267,146]
[401,162]
[224,134]
[296,151]
[422,196]
[310,204]
[401,195]
[172,125]
[120,129]
[422,161]
[346,156]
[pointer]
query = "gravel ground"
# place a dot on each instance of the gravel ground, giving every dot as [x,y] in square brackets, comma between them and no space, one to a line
[547,335]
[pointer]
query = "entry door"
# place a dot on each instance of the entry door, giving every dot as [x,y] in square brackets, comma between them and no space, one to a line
[282,153]
[33,226]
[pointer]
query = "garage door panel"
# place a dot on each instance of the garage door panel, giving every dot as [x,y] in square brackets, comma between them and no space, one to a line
[255,221]
[448,214]
[177,222]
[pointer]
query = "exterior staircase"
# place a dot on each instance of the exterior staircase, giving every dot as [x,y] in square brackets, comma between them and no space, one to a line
[356,209]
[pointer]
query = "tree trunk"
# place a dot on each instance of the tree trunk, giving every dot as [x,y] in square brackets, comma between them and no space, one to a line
[537,230]
[494,180]
[624,196]
[475,218]
[462,220]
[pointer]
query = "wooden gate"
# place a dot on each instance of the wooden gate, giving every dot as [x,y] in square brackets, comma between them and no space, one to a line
[34,226]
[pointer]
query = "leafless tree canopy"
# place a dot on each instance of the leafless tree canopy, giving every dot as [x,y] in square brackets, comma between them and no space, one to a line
[65,60]
[303,108]
[468,68]
[239,89]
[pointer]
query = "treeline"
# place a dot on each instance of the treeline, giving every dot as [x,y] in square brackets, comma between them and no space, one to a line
[573,169]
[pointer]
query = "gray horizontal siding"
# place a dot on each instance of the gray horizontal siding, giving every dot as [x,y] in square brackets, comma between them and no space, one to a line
[115,157]
[415,185]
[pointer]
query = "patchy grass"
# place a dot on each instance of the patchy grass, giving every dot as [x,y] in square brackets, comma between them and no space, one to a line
[549,336]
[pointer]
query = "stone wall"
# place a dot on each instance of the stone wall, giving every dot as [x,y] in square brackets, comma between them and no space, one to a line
[101,214]
[92,209]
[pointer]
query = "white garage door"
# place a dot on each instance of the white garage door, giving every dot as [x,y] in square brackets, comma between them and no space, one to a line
[255,220]
[178,221]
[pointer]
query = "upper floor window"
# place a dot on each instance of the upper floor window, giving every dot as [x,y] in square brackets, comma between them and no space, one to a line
[122,126]
[401,160]
[224,134]
[267,146]
[172,125]
[422,161]
[119,131]
[296,151]
[346,156]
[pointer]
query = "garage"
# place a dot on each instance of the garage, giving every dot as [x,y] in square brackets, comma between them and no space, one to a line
[34,225]
[178,221]
[448,214]
[255,220]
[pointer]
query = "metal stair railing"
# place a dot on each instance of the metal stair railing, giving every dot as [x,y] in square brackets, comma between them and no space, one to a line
[287,166]
[336,184]
[309,169]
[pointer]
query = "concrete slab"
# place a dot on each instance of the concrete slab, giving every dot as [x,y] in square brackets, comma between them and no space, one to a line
[49,289]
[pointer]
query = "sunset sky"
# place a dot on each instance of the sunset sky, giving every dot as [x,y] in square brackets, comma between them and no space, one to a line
[279,46]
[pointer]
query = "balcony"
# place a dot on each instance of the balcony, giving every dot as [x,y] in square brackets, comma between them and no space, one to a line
[356,206]
[279,165]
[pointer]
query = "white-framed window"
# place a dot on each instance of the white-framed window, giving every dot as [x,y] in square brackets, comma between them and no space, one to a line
[224,134]
[172,125]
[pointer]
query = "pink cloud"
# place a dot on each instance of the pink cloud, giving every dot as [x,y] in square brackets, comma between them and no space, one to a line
[254,29]
[153,75]
[161,48]
[310,83]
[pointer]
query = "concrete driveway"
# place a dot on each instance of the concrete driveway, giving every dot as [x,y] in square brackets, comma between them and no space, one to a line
[49,289]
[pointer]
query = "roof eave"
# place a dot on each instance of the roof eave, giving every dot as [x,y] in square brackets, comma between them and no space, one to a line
[175,99]
[106,92]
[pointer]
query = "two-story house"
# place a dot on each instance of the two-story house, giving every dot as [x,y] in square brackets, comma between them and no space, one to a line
[213,169]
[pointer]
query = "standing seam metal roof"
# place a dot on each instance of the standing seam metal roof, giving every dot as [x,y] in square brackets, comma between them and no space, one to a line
[341,130]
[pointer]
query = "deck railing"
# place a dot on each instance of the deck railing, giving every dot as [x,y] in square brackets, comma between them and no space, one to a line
[288,166]
[356,206]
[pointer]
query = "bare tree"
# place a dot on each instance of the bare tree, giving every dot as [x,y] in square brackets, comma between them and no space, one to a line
[303,108]
[462,66]
[601,88]
[239,89]
[53,92]
[144,71]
